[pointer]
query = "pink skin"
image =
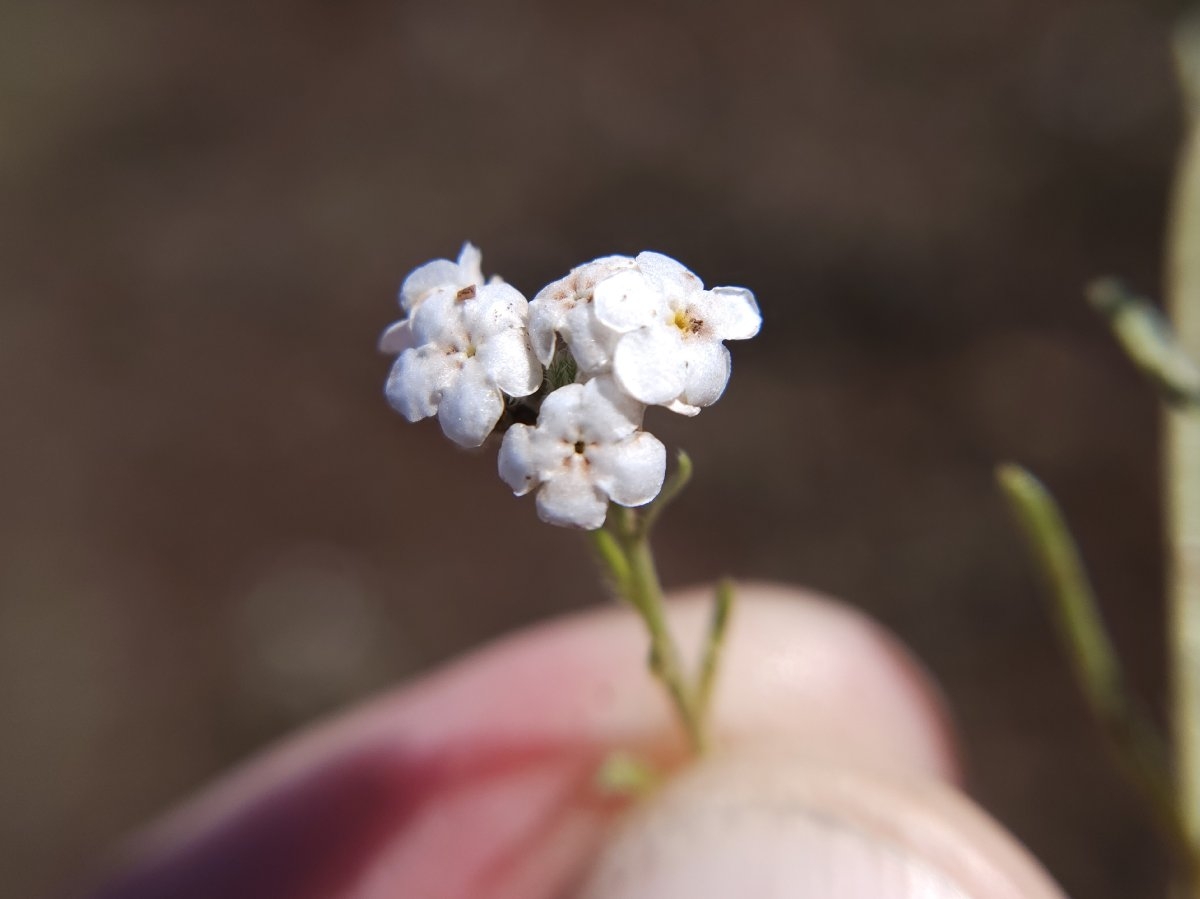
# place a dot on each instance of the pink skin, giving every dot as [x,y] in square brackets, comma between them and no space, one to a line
[478,780]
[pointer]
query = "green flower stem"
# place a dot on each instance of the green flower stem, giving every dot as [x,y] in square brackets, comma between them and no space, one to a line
[713,644]
[671,489]
[645,595]
[1182,462]
[612,558]
[623,548]
[1131,733]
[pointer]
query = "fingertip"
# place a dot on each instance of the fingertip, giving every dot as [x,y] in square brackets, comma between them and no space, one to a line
[524,724]
[765,825]
[814,673]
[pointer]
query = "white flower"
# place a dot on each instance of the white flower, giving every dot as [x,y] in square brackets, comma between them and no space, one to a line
[436,277]
[459,353]
[587,449]
[670,351]
[565,307]
[651,323]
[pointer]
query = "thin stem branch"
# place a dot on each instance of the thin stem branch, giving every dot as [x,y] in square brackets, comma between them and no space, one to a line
[1131,733]
[646,596]
[713,644]
[1149,341]
[623,548]
[612,558]
[671,489]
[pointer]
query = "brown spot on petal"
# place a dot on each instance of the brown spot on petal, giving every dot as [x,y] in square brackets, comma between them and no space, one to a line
[467,293]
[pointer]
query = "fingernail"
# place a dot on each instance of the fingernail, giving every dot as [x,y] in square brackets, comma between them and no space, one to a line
[778,825]
[730,848]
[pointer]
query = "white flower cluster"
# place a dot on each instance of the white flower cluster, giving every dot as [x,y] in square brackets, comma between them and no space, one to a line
[629,332]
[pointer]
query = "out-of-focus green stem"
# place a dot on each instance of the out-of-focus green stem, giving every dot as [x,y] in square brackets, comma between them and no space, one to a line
[624,774]
[1182,462]
[1166,349]
[1149,341]
[1135,740]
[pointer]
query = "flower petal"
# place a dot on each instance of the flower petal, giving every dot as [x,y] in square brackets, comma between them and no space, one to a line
[630,472]
[595,412]
[674,280]
[606,412]
[729,313]
[470,406]
[707,366]
[649,364]
[470,265]
[397,338]
[584,279]
[495,308]
[572,500]
[417,380]
[439,320]
[591,342]
[509,363]
[561,412]
[627,301]
[667,270]
[682,408]
[516,460]
[441,273]
[545,320]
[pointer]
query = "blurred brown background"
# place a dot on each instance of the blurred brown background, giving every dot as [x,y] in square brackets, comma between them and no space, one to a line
[214,529]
